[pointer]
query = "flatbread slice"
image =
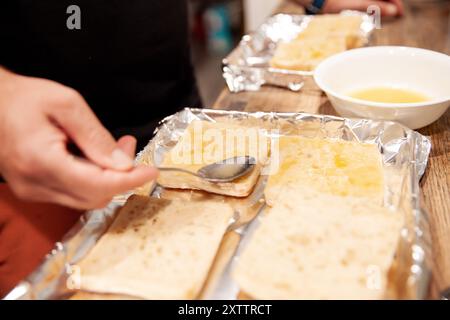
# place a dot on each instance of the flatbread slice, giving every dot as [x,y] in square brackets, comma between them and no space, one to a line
[156,249]
[305,54]
[317,246]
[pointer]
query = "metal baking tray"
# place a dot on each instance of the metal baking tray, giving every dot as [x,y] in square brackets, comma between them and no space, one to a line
[247,67]
[404,153]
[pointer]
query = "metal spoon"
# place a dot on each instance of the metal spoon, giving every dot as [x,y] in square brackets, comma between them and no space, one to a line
[223,171]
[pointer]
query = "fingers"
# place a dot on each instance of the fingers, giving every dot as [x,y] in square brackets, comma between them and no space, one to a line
[42,169]
[59,177]
[387,8]
[128,145]
[75,117]
[87,186]
[91,184]
[84,186]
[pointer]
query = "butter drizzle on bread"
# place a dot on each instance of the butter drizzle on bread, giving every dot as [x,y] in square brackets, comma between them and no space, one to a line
[320,246]
[326,235]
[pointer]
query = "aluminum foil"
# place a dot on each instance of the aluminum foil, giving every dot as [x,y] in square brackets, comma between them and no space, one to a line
[404,153]
[247,67]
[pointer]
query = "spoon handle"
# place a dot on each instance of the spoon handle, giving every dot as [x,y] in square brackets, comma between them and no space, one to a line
[179,170]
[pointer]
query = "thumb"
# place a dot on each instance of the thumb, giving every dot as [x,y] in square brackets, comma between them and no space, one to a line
[84,128]
[128,145]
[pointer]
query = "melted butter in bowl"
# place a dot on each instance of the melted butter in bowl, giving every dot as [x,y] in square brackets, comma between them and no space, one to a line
[389,95]
[407,85]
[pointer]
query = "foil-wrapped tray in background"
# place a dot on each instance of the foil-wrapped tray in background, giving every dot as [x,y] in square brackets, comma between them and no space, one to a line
[247,67]
[404,153]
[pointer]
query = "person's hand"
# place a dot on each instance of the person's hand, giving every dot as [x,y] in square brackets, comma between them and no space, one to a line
[38,118]
[389,8]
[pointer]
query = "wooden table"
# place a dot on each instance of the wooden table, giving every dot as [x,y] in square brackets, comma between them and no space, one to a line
[423,25]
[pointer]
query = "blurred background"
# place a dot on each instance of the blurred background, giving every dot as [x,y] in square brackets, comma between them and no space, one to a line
[216,28]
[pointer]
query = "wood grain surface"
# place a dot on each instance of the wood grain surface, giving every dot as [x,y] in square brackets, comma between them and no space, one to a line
[424,25]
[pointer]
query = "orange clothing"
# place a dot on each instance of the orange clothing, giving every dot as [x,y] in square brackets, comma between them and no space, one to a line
[28,231]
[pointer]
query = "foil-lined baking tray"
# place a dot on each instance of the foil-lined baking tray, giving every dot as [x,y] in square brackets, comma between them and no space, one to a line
[247,68]
[404,153]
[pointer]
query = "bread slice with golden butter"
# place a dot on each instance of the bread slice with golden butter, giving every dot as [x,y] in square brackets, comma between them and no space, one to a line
[335,25]
[337,167]
[306,54]
[156,249]
[311,245]
[204,143]
[326,234]
[323,37]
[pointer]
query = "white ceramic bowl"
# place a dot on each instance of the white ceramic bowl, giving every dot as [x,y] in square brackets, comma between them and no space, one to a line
[420,70]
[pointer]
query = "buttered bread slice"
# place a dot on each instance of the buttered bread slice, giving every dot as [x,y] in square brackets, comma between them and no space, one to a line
[320,246]
[323,37]
[337,167]
[204,143]
[156,249]
[326,234]
[336,25]
[306,54]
